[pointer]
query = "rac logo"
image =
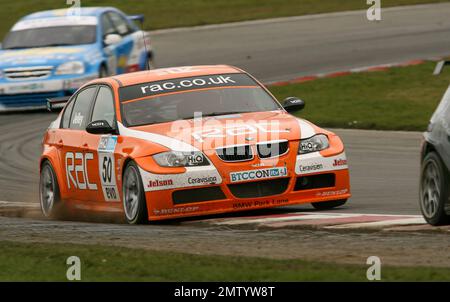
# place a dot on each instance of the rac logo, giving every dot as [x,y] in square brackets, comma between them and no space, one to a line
[77,174]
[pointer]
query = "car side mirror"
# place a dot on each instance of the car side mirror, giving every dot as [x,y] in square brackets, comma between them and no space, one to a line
[100,127]
[112,39]
[292,104]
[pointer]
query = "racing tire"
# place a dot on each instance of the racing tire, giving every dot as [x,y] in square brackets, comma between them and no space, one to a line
[326,205]
[133,196]
[49,194]
[434,190]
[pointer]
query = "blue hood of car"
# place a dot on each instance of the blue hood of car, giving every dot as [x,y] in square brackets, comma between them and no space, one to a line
[51,56]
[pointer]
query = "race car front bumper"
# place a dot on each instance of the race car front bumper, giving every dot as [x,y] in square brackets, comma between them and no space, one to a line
[30,95]
[314,179]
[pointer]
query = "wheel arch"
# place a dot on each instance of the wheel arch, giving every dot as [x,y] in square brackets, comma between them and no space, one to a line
[58,173]
[426,149]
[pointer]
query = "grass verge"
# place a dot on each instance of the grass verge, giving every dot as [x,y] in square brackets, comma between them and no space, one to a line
[47,262]
[176,13]
[402,98]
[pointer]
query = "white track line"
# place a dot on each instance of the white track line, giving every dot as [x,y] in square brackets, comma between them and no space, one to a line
[377,224]
[309,216]
[19,204]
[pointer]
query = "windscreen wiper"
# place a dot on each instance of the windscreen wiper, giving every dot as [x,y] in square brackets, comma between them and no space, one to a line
[217,114]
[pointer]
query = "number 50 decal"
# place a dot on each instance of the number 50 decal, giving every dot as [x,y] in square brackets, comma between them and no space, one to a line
[107,176]
[107,169]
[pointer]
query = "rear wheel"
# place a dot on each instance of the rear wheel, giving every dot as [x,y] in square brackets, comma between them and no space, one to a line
[51,205]
[326,205]
[134,204]
[434,190]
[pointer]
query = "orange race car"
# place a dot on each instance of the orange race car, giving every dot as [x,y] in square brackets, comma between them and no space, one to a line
[187,141]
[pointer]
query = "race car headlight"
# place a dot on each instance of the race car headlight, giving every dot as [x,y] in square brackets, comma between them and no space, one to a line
[316,143]
[181,159]
[74,67]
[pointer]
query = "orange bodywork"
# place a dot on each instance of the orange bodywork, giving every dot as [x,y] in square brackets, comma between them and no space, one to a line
[171,192]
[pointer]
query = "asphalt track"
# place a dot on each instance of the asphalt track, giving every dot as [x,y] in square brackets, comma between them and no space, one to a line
[384,165]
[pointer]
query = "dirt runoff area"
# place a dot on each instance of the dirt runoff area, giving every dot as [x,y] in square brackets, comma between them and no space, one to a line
[343,246]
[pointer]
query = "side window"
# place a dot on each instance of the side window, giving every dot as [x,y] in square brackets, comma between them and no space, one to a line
[104,106]
[66,115]
[120,23]
[107,26]
[80,113]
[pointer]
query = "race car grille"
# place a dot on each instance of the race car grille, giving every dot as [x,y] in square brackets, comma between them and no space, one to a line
[315,182]
[28,73]
[259,188]
[197,195]
[272,149]
[235,153]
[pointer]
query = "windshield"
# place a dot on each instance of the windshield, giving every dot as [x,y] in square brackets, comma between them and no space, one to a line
[50,36]
[178,99]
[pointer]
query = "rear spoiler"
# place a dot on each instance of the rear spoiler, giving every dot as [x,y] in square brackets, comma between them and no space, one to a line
[139,18]
[57,103]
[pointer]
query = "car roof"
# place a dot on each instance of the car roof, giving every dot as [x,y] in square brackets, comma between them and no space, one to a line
[84,11]
[172,73]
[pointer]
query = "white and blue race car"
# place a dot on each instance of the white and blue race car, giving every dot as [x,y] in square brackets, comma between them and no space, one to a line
[51,54]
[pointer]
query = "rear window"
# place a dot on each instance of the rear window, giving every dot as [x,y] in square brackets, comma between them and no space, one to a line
[183,98]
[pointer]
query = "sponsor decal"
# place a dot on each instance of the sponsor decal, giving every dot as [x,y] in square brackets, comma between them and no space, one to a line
[107,169]
[177,210]
[184,84]
[258,174]
[77,174]
[259,203]
[194,176]
[332,193]
[314,162]
[15,88]
[78,119]
[202,180]
[107,144]
[196,159]
[30,87]
[339,162]
[310,168]
[159,183]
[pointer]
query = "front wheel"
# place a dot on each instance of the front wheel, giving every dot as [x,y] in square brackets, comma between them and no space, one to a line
[49,195]
[134,204]
[326,205]
[434,190]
